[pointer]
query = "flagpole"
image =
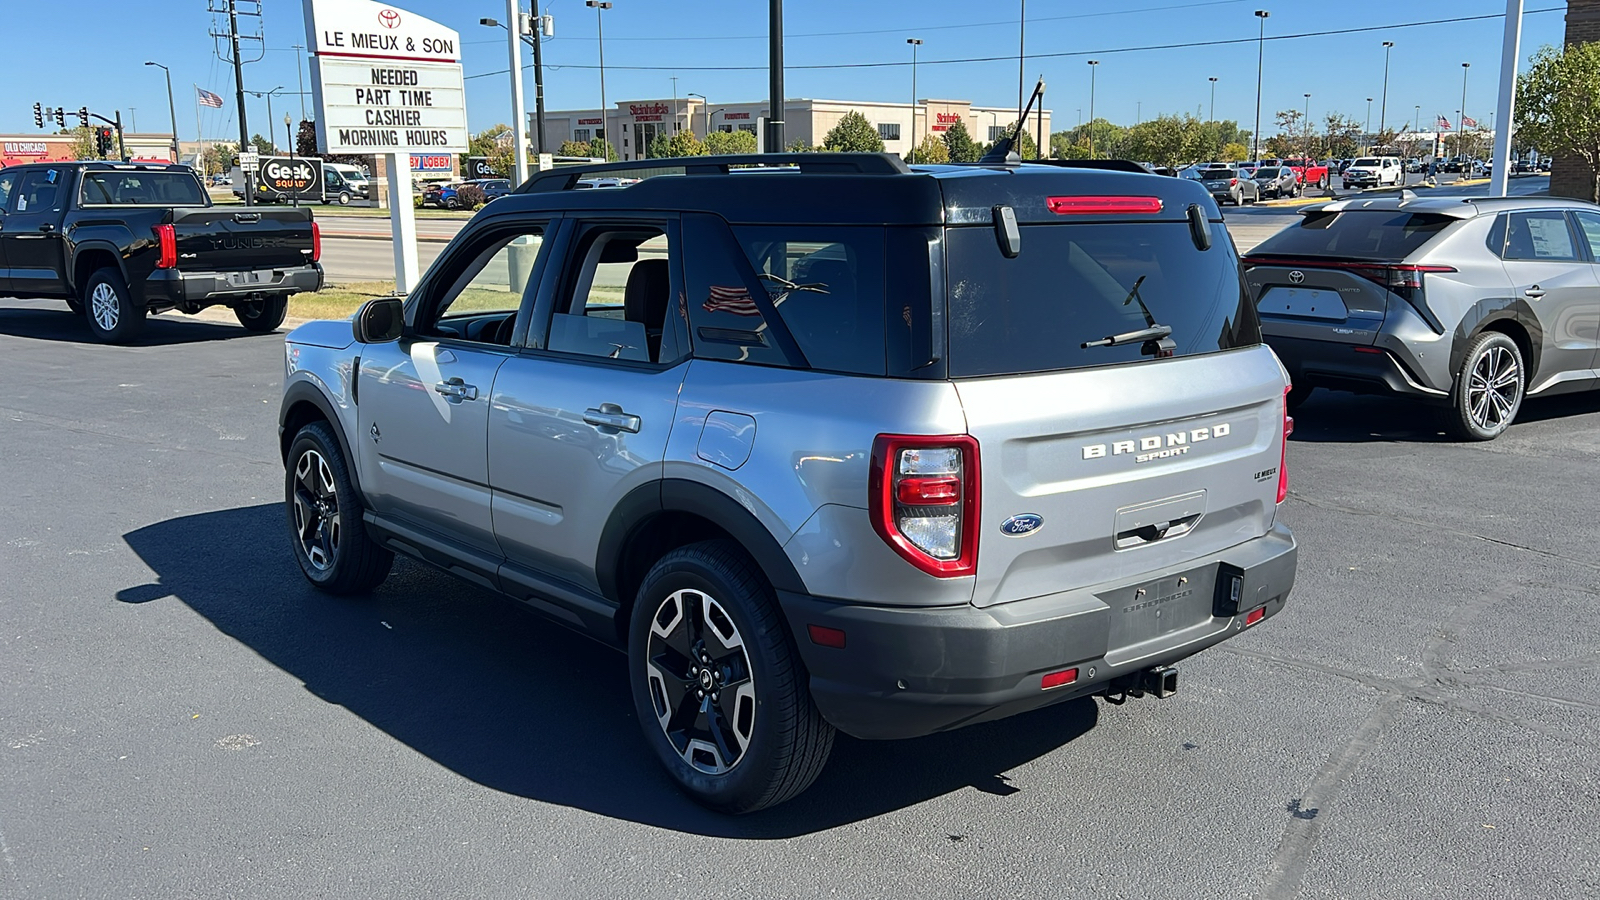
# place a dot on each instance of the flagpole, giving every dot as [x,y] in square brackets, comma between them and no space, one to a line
[198,140]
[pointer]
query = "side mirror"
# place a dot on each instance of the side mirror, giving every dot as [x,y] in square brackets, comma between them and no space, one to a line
[379,321]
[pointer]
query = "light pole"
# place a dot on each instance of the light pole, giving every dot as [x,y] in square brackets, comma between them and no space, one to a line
[1093,65]
[299,75]
[1261,51]
[600,30]
[173,110]
[541,29]
[915,43]
[268,95]
[1416,118]
[708,112]
[1308,127]
[1383,106]
[1366,130]
[289,133]
[1461,114]
[1213,98]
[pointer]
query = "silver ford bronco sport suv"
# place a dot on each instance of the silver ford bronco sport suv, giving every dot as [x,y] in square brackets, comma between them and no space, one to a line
[821,441]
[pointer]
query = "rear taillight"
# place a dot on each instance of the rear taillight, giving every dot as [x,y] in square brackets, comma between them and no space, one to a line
[316,241]
[1233,182]
[924,500]
[1283,459]
[167,240]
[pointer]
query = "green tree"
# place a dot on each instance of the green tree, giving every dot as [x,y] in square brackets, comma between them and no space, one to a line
[1343,136]
[932,150]
[486,142]
[1558,106]
[959,144]
[799,146]
[574,148]
[723,143]
[262,145]
[601,148]
[1025,146]
[218,157]
[660,146]
[1172,141]
[83,143]
[853,134]
[684,143]
[1234,152]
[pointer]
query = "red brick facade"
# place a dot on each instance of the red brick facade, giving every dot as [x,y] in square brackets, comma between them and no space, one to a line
[1569,176]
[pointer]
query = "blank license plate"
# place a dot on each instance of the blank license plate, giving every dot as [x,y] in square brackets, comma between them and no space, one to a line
[1305,303]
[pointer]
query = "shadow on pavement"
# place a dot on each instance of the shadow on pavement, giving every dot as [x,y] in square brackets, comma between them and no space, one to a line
[1346,418]
[62,325]
[517,704]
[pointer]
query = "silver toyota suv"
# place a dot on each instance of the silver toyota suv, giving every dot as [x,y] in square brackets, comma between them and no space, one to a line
[821,441]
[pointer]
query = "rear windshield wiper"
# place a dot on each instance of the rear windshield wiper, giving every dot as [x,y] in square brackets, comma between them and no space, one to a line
[1154,337]
[1153,333]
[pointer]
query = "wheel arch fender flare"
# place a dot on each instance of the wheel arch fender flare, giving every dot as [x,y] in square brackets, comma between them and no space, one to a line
[1488,313]
[97,248]
[291,419]
[677,495]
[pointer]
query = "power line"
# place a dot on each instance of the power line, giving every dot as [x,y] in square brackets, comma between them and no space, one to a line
[1060,55]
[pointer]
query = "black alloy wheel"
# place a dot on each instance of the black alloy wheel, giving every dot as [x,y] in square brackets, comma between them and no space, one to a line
[324,514]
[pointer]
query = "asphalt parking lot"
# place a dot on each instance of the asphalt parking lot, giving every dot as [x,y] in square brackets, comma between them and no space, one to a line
[181,716]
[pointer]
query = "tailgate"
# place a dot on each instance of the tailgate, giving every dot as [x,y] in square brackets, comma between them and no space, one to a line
[1316,302]
[1131,468]
[216,239]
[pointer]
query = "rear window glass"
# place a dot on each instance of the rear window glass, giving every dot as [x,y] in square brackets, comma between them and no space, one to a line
[1365,162]
[827,284]
[1356,234]
[1267,173]
[114,188]
[1218,173]
[1072,284]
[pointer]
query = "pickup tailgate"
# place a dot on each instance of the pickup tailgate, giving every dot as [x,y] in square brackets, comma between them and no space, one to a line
[216,239]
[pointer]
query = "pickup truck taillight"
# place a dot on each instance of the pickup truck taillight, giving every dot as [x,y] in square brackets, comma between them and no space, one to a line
[316,241]
[167,239]
[924,500]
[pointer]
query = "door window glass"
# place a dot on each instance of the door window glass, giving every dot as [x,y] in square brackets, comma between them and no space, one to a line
[1539,235]
[40,190]
[616,301]
[481,303]
[6,180]
[1588,223]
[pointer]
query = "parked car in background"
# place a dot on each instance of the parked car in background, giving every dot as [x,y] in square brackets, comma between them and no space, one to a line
[1311,172]
[1227,186]
[1468,305]
[494,188]
[1373,171]
[1276,181]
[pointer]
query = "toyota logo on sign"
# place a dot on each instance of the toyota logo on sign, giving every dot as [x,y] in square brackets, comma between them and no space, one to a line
[388,18]
[1296,276]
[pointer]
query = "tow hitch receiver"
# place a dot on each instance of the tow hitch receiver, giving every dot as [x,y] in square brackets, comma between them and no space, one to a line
[1161,681]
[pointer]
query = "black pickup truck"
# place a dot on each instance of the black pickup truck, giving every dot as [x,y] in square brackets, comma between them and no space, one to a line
[120,241]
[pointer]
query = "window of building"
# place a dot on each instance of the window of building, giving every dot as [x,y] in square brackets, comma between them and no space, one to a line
[725,129]
[995,132]
[889,131]
[582,135]
[749,128]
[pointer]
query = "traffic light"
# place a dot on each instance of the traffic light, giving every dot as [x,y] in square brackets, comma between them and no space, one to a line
[61,117]
[102,141]
[38,115]
[83,117]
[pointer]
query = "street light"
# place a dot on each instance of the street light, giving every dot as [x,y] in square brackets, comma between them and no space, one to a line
[1461,114]
[1213,98]
[268,95]
[708,112]
[1308,126]
[600,30]
[1261,50]
[915,43]
[1367,128]
[289,134]
[1094,64]
[173,110]
[1383,106]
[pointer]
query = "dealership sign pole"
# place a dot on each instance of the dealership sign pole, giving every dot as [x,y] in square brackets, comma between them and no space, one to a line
[387,81]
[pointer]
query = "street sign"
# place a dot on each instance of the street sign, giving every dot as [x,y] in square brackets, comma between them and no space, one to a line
[249,160]
[384,80]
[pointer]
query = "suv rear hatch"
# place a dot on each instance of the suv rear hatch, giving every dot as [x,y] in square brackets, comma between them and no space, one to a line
[221,239]
[1119,460]
[1330,277]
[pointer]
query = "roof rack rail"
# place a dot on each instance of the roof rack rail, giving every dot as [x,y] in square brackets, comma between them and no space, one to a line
[566,177]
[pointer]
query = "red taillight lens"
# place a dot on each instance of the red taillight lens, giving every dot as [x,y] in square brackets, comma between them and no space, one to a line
[1395,277]
[1283,459]
[1084,206]
[924,500]
[167,240]
[1233,182]
[316,241]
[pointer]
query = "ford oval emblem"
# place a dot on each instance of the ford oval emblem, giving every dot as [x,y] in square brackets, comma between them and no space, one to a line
[1022,525]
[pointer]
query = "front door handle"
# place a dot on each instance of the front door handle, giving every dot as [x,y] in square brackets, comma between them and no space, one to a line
[456,389]
[611,416]
[47,228]
[1534,292]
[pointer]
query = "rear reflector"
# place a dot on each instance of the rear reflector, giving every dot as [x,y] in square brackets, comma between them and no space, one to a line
[1255,615]
[823,636]
[1057,679]
[1084,206]
[1368,350]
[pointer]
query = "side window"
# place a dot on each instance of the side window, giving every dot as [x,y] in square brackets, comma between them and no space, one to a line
[1589,224]
[1539,236]
[481,303]
[616,298]
[39,190]
[725,322]
[332,178]
[827,285]
[6,180]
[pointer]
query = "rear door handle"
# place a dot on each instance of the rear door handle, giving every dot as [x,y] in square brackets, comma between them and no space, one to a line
[456,389]
[1534,292]
[610,415]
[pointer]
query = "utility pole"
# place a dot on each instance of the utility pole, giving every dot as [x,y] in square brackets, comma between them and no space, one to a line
[233,37]
[544,27]
[775,111]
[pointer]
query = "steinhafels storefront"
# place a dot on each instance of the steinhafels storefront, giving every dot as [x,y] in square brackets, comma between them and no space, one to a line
[632,125]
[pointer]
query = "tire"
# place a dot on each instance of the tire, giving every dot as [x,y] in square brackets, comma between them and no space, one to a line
[324,516]
[452,203]
[112,314]
[344,198]
[263,315]
[1488,389]
[715,604]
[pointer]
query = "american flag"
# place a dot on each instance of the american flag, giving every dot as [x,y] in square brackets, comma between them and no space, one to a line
[1443,123]
[207,98]
[735,300]
[1468,122]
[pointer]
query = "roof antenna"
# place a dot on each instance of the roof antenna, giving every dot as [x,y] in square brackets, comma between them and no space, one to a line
[1004,150]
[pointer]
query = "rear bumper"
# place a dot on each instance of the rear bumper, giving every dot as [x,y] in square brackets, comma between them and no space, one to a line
[1351,367]
[911,672]
[175,287]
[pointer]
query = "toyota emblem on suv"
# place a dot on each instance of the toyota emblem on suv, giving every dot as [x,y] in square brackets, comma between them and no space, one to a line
[1297,276]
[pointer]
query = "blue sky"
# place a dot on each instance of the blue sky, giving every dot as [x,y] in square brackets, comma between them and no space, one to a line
[669,37]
